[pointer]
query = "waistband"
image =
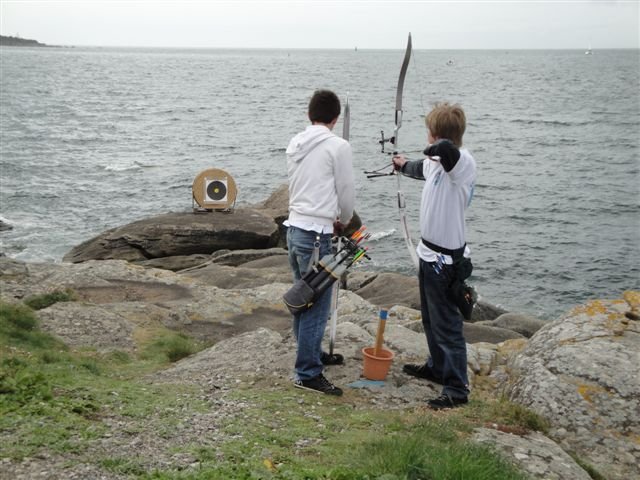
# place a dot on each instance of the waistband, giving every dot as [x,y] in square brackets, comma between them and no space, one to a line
[455,254]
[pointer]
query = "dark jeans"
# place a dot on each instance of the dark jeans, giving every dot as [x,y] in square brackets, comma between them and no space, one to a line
[308,326]
[442,324]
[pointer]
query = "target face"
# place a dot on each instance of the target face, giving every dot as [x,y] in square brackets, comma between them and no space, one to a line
[215,190]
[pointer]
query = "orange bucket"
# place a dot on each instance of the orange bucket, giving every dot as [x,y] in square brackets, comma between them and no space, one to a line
[377,366]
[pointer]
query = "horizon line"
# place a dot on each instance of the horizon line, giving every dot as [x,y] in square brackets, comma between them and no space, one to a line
[355,48]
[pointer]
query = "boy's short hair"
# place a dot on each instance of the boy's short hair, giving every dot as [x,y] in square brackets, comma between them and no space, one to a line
[447,121]
[324,106]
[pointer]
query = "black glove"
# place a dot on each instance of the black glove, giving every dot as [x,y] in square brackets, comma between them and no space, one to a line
[447,151]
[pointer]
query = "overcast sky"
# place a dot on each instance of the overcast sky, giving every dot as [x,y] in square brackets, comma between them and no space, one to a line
[326,24]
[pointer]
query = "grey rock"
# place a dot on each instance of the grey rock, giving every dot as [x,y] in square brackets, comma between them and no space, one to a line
[277,207]
[356,279]
[485,311]
[175,263]
[533,453]
[389,289]
[236,357]
[483,333]
[253,274]
[581,370]
[81,325]
[236,258]
[487,358]
[523,324]
[183,233]
[5,226]
[474,333]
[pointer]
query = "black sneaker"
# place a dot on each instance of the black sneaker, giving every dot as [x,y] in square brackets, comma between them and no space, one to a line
[421,371]
[445,401]
[318,384]
[331,359]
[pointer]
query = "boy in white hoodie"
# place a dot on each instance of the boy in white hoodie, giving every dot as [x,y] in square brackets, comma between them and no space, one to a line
[321,200]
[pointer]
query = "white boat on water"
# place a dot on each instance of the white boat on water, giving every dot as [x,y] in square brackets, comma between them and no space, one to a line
[589,51]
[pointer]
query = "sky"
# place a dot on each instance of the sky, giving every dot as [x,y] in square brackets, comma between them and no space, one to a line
[347,24]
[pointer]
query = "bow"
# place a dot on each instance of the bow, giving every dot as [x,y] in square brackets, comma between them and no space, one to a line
[401,204]
[394,141]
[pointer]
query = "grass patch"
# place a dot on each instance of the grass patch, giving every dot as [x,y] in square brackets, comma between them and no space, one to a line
[171,346]
[429,449]
[38,302]
[505,415]
[61,401]
[54,399]
[123,466]
[593,473]
[19,327]
[289,436]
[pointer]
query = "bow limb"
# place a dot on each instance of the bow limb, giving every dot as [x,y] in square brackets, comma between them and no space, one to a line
[399,91]
[398,118]
[346,120]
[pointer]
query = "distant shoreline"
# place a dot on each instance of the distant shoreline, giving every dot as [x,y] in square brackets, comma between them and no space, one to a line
[19,42]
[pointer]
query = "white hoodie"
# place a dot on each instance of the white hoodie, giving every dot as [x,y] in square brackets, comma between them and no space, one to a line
[321,183]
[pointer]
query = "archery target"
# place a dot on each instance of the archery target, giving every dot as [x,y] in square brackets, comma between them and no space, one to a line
[214,189]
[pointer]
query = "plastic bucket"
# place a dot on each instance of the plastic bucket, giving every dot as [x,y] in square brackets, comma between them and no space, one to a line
[376,367]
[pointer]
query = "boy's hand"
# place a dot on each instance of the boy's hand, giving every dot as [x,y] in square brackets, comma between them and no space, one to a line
[398,161]
[338,228]
[447,151]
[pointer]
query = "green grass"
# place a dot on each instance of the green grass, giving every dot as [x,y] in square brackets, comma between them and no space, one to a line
[65,402]
[54,399]
[171,346]
[38,302]
[593,473]
[280,436]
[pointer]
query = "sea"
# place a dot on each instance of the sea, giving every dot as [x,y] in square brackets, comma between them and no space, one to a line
[95,138]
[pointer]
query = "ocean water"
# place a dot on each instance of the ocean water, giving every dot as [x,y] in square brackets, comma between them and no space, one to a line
[93,138]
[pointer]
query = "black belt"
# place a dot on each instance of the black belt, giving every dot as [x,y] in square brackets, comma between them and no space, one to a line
[455,254]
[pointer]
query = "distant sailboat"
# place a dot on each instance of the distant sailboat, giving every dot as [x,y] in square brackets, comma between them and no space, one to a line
[588,52]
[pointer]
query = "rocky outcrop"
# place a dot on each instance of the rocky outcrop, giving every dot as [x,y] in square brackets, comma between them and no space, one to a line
[252,274]
[523,324]
[535,454]
[277,207]
[5,226]
[581,373]
[175,234]
[211,302]
[388,289]
[179,240]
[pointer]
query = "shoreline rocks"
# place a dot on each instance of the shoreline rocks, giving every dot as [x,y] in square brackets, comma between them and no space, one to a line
[220,278]
[574,371]
[580,372]
[180,234]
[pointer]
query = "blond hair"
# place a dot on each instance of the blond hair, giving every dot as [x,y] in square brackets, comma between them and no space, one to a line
[447,121]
